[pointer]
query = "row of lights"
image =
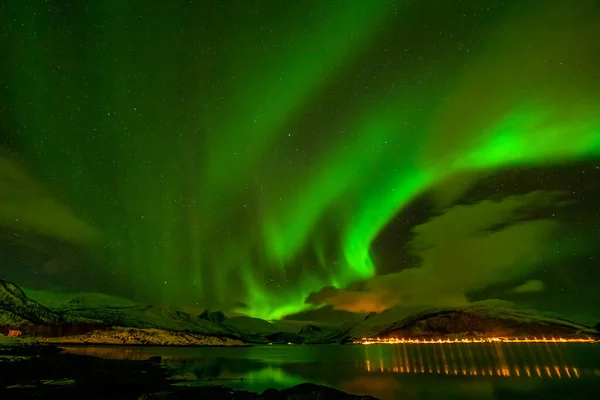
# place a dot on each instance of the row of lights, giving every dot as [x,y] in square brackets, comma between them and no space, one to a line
[482,340]
[527,371]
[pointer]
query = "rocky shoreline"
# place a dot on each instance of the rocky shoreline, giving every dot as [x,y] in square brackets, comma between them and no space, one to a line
[144,337]
[33,370]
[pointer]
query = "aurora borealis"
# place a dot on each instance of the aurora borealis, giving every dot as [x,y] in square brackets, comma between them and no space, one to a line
[249,156]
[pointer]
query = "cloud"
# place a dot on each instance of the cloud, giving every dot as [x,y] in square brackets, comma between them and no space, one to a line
[450,189]
[468,247]
[530,286]
[25,205]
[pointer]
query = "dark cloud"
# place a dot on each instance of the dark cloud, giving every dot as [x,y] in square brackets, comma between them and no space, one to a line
[466,248]
[25,205]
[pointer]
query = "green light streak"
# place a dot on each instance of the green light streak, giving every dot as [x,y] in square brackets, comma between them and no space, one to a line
[256,161]
[284,81]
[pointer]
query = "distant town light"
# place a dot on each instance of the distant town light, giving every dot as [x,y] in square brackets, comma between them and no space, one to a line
[473,340]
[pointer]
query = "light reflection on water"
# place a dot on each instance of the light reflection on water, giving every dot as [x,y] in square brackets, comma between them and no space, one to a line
[407,371]
[547,360]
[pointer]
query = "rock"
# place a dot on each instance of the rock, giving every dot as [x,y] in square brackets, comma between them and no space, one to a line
[68,376]
[306,391]
[58,382]
[155,396]
[74,376]
[310,391]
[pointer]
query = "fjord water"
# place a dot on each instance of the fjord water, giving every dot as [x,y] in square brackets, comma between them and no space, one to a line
[403,371]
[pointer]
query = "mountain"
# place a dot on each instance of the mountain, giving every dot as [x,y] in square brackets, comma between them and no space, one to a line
[470,321]
[369,326]
[310,330]
[117,311]
[485,321]
[98,318]
[213,316]
[251,326]
[17,309]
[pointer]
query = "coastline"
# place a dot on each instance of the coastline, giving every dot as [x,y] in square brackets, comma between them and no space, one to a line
[60,344]
[30,370]
[144,337]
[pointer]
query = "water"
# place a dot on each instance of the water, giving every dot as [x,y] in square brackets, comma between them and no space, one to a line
[402,371]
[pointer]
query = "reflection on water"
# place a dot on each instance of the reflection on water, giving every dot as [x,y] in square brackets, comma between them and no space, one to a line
[498,359]
[111,352]
[407,371]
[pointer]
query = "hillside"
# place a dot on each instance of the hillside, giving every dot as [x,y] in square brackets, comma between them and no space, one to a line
[17,308]
[485,321]
[470,321]
[146,337]
[251,326]
[118,311]
[89,317]
[99,318]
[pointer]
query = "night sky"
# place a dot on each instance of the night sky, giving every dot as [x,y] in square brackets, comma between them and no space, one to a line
[272,157]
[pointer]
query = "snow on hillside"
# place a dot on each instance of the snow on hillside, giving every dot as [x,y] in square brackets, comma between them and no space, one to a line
[105,310]
[120,311]
[66,301]
[16,306]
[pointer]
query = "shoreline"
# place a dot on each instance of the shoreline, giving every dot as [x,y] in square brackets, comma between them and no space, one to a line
[72,344]
[145,337]
[97,341]
[58,374]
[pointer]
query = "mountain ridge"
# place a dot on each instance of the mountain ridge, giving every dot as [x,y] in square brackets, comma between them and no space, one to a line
[97,318]
[467,321]
[14,302]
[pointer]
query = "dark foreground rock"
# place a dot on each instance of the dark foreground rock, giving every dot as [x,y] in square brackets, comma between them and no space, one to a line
[67,376]
[32,371]
[305,391]
[25,348]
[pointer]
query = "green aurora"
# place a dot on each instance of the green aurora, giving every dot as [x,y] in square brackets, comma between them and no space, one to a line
[243,156]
